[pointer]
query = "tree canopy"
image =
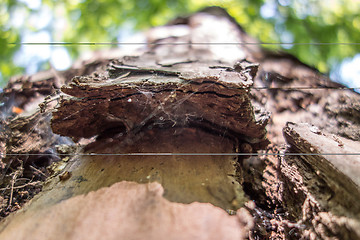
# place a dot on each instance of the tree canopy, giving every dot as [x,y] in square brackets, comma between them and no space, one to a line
[271,21]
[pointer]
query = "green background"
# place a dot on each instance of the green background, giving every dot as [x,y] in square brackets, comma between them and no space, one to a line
[303,21]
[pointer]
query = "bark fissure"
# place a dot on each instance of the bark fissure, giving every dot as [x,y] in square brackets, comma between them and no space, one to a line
[183,98]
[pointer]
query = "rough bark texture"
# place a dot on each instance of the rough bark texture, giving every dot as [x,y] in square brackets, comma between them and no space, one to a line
[145,94]
[183,98]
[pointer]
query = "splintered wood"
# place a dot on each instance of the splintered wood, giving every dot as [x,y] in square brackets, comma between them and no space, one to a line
[210,95]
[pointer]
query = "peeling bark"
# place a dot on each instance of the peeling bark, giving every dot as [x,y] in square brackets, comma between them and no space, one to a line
[328,185]
[101,215]
[137,97]
[183,98]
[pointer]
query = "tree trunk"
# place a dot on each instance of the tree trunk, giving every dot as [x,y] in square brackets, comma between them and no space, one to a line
[177,142]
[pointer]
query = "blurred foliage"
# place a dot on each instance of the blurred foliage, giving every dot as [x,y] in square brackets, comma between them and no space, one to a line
[7,36]
[305,21]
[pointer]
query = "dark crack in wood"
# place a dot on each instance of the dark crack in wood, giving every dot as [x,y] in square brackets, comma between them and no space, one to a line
[134,97]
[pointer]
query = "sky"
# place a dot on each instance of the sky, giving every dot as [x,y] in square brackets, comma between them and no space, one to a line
[347,73]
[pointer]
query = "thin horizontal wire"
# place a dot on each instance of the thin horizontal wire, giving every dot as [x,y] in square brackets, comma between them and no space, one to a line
[303,88]
[182,43]
[185,154]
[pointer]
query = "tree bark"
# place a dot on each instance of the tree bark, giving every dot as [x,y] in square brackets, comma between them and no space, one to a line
[148,141]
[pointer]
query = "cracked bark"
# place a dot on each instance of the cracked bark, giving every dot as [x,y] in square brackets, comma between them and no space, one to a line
[194,98]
